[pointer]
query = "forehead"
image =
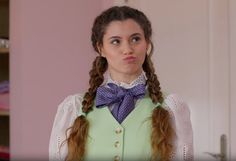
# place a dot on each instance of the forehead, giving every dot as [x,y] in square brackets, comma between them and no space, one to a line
[123,28]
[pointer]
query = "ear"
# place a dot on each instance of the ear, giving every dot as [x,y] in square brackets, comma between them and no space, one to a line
[149,48]
[100,50]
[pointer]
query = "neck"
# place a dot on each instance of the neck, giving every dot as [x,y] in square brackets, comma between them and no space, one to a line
[125,78]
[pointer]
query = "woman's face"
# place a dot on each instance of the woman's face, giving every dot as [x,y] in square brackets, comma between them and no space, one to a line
[124,47]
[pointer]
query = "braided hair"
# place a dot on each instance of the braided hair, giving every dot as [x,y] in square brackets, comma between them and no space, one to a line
[162,131]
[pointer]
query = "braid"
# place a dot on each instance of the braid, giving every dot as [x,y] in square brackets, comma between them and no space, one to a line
[77,139]
[79,130]
[162,135]
[152,81]
[96,79]
[162,130]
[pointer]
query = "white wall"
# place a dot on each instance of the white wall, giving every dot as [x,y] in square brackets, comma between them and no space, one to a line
[232,35]
[192,59]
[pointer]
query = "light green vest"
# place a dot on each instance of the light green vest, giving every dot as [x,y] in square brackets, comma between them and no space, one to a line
[130,140]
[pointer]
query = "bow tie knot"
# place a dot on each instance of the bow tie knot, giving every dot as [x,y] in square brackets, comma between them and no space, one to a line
[123,99]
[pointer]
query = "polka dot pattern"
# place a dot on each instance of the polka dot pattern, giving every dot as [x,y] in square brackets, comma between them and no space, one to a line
[121,98]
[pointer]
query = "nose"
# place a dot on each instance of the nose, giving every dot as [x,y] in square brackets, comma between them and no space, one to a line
[127,48]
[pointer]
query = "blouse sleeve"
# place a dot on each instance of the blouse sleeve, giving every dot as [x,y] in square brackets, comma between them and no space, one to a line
[180,115]
[67,112]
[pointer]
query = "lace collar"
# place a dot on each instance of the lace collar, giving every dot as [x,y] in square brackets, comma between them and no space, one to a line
[141,79]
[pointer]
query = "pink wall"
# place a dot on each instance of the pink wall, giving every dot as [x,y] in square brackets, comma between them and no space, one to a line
[50,57]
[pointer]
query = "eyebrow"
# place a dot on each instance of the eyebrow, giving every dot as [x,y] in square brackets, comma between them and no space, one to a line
[118,37]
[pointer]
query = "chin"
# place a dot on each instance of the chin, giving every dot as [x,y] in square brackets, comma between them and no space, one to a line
[132,71]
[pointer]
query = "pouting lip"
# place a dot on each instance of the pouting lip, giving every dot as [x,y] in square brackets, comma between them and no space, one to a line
[129,58]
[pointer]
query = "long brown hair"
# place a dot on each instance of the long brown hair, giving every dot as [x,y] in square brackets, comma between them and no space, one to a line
[162,132]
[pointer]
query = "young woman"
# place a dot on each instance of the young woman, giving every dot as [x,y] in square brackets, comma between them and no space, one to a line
[123,115]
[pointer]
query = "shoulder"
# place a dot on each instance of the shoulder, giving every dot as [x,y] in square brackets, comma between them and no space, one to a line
[68,110]
[72,103]
[179,112]
[180,115]
[177,105]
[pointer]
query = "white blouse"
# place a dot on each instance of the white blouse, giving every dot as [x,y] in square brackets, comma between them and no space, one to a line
[70,109]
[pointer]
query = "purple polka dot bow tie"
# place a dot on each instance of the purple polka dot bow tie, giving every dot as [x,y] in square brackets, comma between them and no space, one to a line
[123,99]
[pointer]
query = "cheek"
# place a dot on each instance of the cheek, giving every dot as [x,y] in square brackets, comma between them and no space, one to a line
[142,53]
[142,48]
[109,51]
[142,58]
[112,57]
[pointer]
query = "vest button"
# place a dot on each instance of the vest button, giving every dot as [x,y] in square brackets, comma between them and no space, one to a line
[116,158]
[118,130]
[117,144]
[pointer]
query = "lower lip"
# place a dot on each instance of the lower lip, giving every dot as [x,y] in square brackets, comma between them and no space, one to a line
[130,60]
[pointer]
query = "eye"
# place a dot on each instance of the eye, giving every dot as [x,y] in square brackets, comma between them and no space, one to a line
[115,41]
[135,39]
